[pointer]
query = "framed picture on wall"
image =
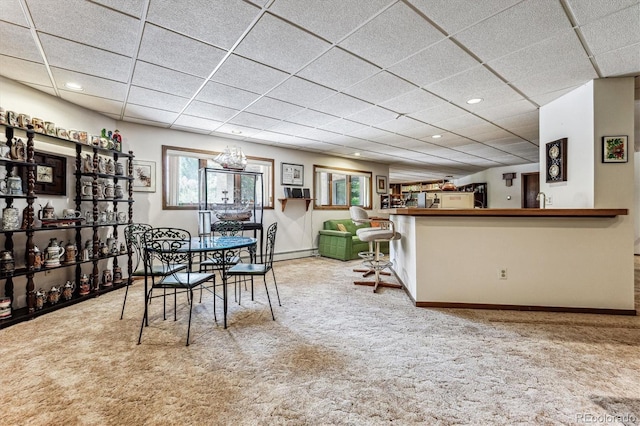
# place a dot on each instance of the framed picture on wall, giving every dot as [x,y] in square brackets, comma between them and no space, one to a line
[144,176]
[381,184]
[614,149]
[292,174]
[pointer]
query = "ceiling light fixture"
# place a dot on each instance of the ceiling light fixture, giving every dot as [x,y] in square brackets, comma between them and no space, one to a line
[436,136]
[474,101]
[357,154]
[74,86]
[236,132]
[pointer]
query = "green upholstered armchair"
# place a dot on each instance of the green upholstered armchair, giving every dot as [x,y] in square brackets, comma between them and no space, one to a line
[343,245]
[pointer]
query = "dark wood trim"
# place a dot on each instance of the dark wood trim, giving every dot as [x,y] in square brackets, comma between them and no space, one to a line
[511,212]
[569,309]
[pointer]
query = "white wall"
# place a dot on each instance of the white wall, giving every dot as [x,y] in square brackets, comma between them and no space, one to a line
[497,190]
[636,157]
[571,117]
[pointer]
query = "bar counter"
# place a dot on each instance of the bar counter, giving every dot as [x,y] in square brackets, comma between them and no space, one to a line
[575,260]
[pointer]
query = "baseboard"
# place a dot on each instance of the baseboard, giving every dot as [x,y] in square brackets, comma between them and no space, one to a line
[567,309]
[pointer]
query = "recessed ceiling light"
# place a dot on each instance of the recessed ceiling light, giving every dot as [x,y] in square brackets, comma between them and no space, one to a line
[474,101]
[436,136]
[357,154]
[74,86]
[236,132]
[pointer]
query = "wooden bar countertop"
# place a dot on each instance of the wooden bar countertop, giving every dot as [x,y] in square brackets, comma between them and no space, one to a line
[412,211]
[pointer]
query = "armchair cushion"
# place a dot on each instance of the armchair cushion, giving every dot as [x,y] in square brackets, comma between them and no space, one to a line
[343,245]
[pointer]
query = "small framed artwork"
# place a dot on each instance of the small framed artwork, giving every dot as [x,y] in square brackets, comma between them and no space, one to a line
[50,174]
[614,149]
[144,176]
[292,174]
[381,184]
[556,156]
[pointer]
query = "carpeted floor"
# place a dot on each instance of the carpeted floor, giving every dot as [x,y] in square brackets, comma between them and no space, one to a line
[336,354]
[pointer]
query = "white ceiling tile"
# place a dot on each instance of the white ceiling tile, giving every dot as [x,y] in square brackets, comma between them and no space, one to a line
[11,11]
[201,131]
[210,111]
[372,115]
[586,11]
[552,80]
[85,59]
[130,7]
[420,131]
[165,80]
[290,128]
[248,75]
[87,23]
[613,31]
[392,36]
[331,19]
[343,126]
[92,85]
[320,135]
[92,102]
[455,15]
[152,114]
[312,118]
[370,133]
[460,122]
[253,120]
[399,124]
[415,100]
[281,45]
[18,43]
[233,129]
[466,85]
[439,113]
[341,104]
[620,62]
[529,119]
[517,27]
[174,51]
[300,92]
[338,69]
[197,123]
[434,63]
[24,71]
[45,89]
[220,23]
[154,99]
[230,97]
[507,110]
[545,98]
[379,88]
[274,108]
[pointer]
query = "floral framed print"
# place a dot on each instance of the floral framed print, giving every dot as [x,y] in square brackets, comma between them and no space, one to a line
[615,149]
[144,176]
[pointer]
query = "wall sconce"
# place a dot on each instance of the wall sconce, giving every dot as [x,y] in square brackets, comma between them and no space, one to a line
[508,177]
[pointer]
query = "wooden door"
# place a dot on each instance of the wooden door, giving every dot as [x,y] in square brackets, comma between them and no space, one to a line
[530,189]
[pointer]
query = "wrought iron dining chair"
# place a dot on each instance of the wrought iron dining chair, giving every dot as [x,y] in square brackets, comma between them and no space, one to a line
[133,236]
[170,250]
[260,269]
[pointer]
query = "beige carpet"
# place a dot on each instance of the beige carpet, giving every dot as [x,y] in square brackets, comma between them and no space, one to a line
[336,354]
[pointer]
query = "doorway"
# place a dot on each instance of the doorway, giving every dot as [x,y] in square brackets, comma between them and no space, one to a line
[530,190]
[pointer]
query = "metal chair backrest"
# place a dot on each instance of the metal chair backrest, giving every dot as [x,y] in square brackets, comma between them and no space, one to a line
[169,246]
[271,245]
[359,215]
[133,236]
[228,228]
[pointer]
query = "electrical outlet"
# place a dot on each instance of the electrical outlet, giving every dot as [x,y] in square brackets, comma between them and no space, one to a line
[502,273]
[549,200]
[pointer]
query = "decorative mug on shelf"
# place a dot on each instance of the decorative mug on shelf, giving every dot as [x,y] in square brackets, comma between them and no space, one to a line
[71,214]
[41,296]
[67,290]
[54,295]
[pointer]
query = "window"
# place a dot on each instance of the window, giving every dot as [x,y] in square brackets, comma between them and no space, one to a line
[341,188]
[180,176]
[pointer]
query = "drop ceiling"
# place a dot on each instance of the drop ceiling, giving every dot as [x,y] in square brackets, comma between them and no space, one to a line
[376,77]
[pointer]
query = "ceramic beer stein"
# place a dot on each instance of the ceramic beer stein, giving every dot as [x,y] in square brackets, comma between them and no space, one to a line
[70,252]
[85,285]
[7,264]
[37,258]
[53,254]
[119,169]
[54,295]
[46,212]
[118,191]
[117,275]
[67,290]
[10,218]
[87,189]
[107,278]
[41,295]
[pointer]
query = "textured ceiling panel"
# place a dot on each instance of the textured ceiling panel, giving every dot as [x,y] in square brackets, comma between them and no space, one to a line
[439,113]
[300,92]
[415,100]
[320,135]
[274,108]
[86,23]
[85,59]
[153,99]
[460,122]
[236,130]
[220,23]
[196,123]
[613,31]
[370,133]
[171,50]
[338,69]
[435,63]
[398,125]
[420,131]
[372,115]
[24,71]
[92,85]
[623,61]
[311,118]
[231,97]
[379,88]
[496,96]
[507,110]
[343,126]
[330,19]
[466,85]
[165,80]
[254,121]
[154,114]
[519,26]
[130,7]
[278,44]
[392,36]
[11,11]
[290,128]
[550,81]
[248,75]
[341,104]
[92,102]
[18,42]
[210,111]
[586,11]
